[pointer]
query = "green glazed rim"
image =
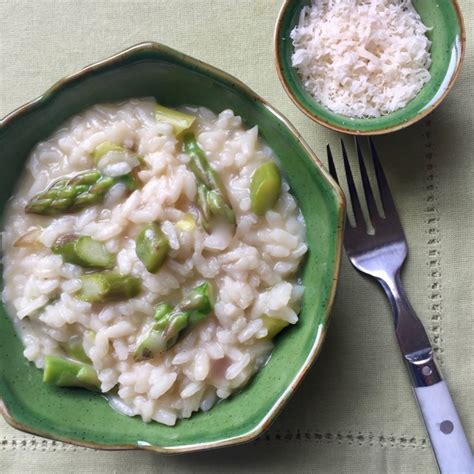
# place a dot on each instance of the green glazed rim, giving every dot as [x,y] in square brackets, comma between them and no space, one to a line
[140,54]
[448,50]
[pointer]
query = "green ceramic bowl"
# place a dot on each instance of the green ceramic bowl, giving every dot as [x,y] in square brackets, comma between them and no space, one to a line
[80,417]
[447,52]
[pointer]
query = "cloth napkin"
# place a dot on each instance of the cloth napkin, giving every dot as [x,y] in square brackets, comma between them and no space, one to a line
[355,411]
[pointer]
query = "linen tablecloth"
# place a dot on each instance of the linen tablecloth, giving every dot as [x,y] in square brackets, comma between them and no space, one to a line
[355,411]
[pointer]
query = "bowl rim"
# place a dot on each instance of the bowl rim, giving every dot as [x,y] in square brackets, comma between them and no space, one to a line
[277,34]
[277,407]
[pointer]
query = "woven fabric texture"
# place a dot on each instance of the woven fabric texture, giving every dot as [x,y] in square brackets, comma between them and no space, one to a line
[355,411]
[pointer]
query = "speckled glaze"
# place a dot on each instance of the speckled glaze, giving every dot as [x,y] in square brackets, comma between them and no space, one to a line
[448,44]
[84,418]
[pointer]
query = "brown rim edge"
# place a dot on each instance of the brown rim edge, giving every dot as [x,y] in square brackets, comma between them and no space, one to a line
[279,404]
[395,128]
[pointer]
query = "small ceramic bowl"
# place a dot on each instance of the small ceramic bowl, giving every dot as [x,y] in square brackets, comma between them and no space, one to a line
[84,418]
[447,52]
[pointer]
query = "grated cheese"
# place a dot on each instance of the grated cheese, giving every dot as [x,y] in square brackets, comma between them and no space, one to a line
[361,58]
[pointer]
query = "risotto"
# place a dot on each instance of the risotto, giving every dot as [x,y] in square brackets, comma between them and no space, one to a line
[151,254]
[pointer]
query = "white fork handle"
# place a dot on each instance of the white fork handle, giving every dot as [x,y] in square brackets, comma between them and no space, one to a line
[447,437]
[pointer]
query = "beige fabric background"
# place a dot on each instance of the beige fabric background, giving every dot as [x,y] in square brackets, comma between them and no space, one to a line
[354,412]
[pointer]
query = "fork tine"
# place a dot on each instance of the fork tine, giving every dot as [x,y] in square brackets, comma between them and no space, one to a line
[356,209]
[385,194]
[332,167]
[369,195]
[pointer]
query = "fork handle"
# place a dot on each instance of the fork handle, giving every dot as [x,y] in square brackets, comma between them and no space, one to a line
[450,445]
[447,437]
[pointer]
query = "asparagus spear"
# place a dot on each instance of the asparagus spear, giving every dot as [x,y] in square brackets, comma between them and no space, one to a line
[115,160]
[152,247]
[201,298]
[171,324]
[75,349]
[273,325]
[105,148]
[187,223]
[162,310]
[70,194]
[83,251]
[102,287]
[64,372]
[265,188]
[212,195]
[179,120]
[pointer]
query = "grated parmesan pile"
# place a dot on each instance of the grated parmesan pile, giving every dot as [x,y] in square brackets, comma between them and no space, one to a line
[361,58]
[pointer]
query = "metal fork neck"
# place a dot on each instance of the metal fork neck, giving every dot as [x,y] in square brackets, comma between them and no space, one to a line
[413,341]
[393,287]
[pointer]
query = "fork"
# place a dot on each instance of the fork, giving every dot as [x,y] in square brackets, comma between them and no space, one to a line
[381,255]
